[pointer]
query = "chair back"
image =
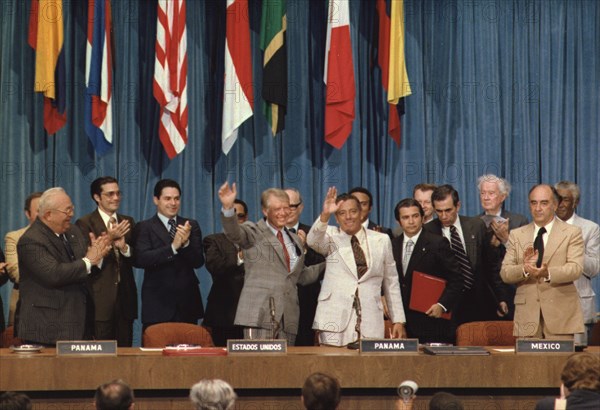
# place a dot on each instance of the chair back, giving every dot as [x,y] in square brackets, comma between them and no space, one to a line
[163,334]
[492,333]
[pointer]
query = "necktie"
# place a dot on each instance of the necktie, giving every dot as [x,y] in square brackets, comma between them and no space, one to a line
[173,229]
[407,254]
[68,248]
[462,258]
[286,255]
[112,222]
[538,245]
[359,257]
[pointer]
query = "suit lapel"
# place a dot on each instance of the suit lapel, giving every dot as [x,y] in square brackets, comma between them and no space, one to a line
[97,223]
[56,242]
[160,231]
[470,239]
[272,240]
[555,238]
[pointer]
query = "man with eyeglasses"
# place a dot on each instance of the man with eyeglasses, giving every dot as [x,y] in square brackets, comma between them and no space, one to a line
[114,290]
[55,261]
[225,263]
[308,295]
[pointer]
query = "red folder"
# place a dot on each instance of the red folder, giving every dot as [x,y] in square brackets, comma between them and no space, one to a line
[426,291]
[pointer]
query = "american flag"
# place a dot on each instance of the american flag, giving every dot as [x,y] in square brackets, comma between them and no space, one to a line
[170,75]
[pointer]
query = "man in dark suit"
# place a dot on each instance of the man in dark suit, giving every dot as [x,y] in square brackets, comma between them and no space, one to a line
[365,198]
[114,290]
[225,263]
[493,191]
[169,247]
[55,259]
[470,244]
[422,251]
[274,263]
[308,295]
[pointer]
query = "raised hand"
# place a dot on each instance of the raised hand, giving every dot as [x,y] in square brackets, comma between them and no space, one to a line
[329,205]
[227,195]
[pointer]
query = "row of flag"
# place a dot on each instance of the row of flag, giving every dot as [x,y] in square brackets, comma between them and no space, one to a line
[46,37]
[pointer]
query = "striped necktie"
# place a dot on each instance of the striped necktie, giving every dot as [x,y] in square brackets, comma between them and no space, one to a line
[462,258]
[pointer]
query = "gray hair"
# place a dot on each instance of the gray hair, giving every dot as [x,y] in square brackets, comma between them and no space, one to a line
[276,192]
[47,199]
[503,185]
[571,186]
[212,394]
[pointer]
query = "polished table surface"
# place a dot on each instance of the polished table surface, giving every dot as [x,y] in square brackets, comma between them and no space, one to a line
[151,370]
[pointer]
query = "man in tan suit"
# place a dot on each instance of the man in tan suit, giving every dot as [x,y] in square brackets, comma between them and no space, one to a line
[12,261]
[543,259]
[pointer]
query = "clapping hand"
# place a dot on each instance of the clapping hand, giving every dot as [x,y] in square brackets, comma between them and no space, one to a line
[99,248]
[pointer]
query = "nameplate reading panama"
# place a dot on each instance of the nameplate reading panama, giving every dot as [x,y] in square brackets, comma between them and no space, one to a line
[545,346]
[389,345]
[278,346]
[86,348]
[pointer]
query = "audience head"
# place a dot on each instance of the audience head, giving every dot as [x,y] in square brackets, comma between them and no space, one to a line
[446,204]
[241,210]
[32,204]
[56,210]
[114,395]
[445,401]
[296,206]
[493,191]
[422,193]
[348,213]
[105,192]
[212,394]
[569,199]
[582,372]
[167,197]
[321,392]
[275,205]
[409,214]
[365,200]
[543,201]
[14,401]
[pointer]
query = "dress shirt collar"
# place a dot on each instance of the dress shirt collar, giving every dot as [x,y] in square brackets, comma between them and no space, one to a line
[165,220]
[106,217]
[413,238]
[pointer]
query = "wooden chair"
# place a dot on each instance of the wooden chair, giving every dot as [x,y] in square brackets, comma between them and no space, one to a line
[492,333]
[163,334]
[8,339]
[595,337]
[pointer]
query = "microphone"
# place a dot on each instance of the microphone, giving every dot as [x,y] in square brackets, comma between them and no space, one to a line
[407,390]
[274,324]
[357,308]
[272,307]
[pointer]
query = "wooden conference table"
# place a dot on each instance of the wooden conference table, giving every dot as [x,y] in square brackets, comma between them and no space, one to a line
[499,381]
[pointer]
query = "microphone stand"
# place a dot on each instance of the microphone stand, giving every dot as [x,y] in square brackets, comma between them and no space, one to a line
[356,305]
[274,324]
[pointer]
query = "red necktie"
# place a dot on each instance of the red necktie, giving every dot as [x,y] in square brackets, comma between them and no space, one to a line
[285,251]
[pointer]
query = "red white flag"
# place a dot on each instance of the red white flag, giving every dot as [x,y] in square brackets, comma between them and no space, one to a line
[170,75]
[238,100]
[339,75]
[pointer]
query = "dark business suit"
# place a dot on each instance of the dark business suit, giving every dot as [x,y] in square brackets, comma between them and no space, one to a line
[378,228]
[431,255]
[506,292]
[308,298]
[113,289]
[578,399]
[477,302]
[170,291]
[228,281]
[54,296]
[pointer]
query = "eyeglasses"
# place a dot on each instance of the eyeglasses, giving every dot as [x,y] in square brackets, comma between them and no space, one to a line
[364,203]
[295,206]
[112,194]
[69,211]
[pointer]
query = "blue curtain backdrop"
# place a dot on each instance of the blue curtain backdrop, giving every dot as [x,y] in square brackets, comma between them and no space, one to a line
[499,86]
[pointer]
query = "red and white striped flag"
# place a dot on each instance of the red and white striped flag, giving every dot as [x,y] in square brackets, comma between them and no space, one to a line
[339,75]
[238,97]
[170,75]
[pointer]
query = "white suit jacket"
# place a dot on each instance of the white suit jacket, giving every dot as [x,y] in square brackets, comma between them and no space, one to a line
[335,312]
[591,265]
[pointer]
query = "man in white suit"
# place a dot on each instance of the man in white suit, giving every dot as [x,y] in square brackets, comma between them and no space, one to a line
[570,194]
[359,263]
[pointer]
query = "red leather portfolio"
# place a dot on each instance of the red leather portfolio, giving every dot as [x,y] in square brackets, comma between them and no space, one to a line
[426,291]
